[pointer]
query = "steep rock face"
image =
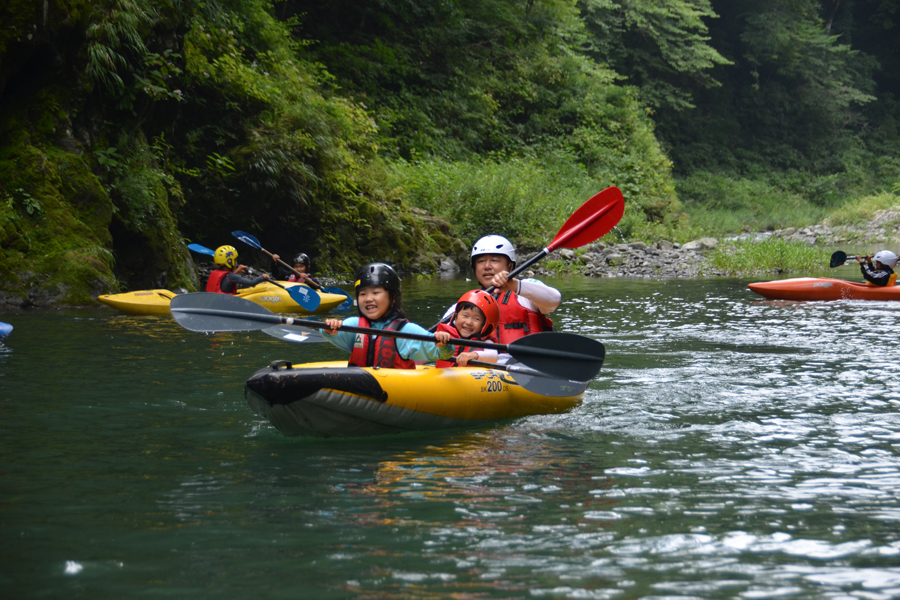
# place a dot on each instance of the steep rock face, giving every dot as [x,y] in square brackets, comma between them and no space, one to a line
[54,212]
[74,220]
[64,222]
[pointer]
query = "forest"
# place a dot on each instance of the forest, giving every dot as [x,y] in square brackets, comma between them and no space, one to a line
[403,130]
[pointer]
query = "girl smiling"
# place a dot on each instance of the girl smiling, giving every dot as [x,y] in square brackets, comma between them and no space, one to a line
[379,304]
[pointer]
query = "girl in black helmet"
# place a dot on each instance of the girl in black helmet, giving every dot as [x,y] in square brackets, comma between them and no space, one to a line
[301,264]
[379,304]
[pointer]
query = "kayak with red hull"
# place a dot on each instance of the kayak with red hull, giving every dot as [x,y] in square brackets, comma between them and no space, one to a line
[823,288]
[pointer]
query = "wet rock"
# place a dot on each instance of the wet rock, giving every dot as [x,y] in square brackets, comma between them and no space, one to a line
[448,264]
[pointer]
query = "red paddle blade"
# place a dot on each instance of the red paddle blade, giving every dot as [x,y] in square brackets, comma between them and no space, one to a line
[594,219]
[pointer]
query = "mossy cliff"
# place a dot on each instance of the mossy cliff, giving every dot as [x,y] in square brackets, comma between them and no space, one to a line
[129,127]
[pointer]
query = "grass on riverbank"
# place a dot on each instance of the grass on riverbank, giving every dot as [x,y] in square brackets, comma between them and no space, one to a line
[858,213]
[773,255]
[517,198]
[719,205]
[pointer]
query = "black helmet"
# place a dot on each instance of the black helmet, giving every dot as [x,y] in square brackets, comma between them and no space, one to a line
[377,274]
[303,259]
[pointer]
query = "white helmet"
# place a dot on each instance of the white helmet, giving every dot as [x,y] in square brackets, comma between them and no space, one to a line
[887,258]
[493,244]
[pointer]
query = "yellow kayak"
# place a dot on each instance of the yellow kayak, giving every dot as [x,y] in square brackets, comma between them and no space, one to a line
[156,302]
[330,399]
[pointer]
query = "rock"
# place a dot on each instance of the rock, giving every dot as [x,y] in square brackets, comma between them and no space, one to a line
[638,245]
[701,244]
[567,255]
[664,245]
[448,264]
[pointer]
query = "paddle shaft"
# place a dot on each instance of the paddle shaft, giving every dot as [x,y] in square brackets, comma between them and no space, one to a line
[312,282]
[515,369]
[281,320]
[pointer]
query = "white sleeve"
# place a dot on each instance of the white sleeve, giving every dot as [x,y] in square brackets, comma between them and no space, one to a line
[544,298]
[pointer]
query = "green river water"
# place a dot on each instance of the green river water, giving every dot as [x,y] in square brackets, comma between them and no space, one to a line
[731,447]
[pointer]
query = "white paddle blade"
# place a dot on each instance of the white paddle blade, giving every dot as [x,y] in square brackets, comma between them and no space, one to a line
[294,334]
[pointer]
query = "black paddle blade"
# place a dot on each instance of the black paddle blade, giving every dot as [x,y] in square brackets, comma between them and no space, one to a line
[562,355]
[207,313]
[540,383]
[838,258]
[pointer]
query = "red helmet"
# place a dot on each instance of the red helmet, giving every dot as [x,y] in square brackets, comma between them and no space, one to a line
[488,306]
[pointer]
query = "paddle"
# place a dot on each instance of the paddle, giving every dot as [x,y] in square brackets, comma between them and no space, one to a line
[535,381]
[201,249]
[294,334]
[593,219]
[562,355]
[298,294]
[302,295]
[839,258]
[254,243]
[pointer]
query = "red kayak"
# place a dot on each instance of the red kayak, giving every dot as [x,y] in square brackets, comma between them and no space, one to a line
[823,288]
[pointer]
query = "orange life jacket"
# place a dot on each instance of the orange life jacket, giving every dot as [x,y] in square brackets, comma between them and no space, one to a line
[458,349]
[380,352]
[214,284]
[516,321]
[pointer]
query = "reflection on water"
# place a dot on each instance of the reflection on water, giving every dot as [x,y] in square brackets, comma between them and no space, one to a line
[731,447]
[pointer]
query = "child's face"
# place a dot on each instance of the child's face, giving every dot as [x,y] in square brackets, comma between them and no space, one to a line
[374,302]
[300,267]
[469,322]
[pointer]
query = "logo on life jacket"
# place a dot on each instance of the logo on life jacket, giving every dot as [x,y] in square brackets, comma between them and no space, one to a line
[359,341]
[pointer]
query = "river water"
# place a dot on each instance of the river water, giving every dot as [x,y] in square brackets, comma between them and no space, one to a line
[731,447]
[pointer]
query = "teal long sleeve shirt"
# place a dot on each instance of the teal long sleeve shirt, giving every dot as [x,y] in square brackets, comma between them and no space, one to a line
[408,349]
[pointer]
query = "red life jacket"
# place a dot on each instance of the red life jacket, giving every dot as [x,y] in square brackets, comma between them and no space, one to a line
[516,321]
[383,352]
[458,349]
[214,284]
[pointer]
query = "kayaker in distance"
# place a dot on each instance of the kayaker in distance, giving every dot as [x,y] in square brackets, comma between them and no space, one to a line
[524,303]
[301,264]
[226,278]
[882,273]
[380,306]
[476,318]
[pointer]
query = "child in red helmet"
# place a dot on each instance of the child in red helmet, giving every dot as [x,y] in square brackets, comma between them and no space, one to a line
[476,318]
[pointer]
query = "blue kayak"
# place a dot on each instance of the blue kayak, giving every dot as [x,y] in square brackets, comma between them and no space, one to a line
[5,329]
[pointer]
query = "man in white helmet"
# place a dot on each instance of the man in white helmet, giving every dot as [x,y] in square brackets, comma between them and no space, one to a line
[882,273]
[524,303]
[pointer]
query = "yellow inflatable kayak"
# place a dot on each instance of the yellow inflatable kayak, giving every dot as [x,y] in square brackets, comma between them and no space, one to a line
[156,302]
[330,399]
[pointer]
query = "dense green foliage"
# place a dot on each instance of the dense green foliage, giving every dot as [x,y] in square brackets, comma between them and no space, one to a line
[808,110]
[402,130]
